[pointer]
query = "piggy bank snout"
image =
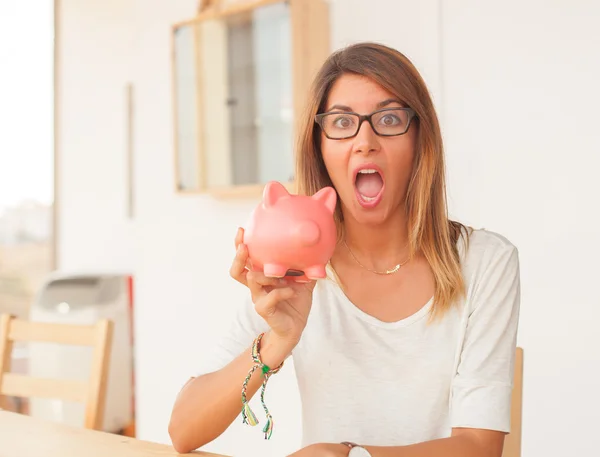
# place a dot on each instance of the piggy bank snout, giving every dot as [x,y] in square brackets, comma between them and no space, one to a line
[307,232]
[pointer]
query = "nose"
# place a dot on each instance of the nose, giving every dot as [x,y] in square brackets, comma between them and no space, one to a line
[366,140]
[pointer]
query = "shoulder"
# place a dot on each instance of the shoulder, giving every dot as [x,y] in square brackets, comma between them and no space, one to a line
[488,259]
[479,246]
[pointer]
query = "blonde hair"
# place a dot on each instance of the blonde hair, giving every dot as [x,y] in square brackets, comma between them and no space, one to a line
[429,228]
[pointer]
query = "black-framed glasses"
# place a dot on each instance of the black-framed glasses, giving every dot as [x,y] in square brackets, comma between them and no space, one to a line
[341,125]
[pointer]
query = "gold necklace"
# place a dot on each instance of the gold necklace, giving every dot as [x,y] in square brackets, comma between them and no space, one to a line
[386,272]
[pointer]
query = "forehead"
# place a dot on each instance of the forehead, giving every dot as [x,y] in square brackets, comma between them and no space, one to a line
[357,92]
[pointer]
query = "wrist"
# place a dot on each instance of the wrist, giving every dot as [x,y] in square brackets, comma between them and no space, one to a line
[356,450]
[274,350]
[342,449]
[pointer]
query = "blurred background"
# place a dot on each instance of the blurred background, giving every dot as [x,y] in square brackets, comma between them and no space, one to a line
[135,137]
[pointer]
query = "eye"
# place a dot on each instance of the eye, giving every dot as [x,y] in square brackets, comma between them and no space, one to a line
[343,122]
[390,119]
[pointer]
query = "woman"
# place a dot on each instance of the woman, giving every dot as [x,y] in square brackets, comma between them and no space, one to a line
[408,349]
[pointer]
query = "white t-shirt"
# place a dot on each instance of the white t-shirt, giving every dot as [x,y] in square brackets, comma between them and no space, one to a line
[409,381]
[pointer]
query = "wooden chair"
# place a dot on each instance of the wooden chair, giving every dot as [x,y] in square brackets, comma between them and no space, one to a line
[512,442]
[91,393]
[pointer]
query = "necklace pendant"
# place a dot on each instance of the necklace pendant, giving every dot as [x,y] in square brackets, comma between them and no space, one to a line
[386,272]
[393,270]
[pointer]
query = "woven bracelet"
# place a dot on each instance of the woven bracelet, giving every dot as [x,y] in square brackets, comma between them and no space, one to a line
[248,415]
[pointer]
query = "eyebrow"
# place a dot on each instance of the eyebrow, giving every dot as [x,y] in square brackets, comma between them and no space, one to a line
[389,101]
[382,104]
[340,107]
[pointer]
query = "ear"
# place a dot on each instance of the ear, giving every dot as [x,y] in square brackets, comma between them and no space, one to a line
[273,191]
[328,197]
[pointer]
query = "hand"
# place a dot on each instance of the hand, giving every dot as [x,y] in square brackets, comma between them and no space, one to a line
[323,450]
[283,303]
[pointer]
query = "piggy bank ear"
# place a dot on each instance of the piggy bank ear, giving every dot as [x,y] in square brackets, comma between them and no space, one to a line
[328,197]
[273,192]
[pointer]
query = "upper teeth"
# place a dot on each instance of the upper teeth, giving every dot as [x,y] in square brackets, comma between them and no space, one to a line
[368,171]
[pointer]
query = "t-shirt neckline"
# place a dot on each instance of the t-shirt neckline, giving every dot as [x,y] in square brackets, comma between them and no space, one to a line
[368,318]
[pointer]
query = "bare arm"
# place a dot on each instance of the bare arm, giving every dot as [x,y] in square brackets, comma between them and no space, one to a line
[464,442]
[208,404]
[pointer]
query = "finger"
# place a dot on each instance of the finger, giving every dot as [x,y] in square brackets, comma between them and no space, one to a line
[267,304]
[256,290]
[309,284]
[260,278]
[238,267]
[302,285]
[261,285]
[300,307]
[239,237]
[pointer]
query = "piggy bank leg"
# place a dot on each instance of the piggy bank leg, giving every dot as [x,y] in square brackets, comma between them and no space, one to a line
[315,272]
[274,271]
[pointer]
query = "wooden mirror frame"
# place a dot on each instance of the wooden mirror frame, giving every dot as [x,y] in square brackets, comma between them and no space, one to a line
[310,40]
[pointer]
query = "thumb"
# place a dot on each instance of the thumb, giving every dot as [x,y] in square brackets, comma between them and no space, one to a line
[302,282]
[310,285]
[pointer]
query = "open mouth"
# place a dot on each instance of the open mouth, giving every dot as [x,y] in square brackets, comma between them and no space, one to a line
[369,184]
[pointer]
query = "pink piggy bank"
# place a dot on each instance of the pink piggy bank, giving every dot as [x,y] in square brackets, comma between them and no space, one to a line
[292,232]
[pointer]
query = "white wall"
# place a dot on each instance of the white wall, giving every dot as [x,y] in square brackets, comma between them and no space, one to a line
[530,63]
[95,64]
[409,26]
[521,101]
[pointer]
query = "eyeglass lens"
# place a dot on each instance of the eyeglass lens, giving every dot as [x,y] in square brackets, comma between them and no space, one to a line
[343,125]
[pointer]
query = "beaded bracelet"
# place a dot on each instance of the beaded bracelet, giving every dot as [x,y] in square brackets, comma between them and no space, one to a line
[248,415]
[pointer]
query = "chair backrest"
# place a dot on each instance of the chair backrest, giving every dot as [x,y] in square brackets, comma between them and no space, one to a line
[512,442]
[91,393]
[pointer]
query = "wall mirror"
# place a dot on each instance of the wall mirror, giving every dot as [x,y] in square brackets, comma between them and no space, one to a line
[237,94]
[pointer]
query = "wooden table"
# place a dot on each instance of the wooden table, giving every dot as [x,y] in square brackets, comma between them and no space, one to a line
[24,436]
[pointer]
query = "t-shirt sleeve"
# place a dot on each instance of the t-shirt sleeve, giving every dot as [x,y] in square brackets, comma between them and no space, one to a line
[482,387]
[245,327]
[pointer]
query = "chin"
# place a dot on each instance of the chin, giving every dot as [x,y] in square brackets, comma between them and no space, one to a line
[372,218]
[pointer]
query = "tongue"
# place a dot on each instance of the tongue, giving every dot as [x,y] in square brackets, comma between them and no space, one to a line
[369,184]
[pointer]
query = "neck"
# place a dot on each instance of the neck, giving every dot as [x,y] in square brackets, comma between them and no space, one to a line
[379,247]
